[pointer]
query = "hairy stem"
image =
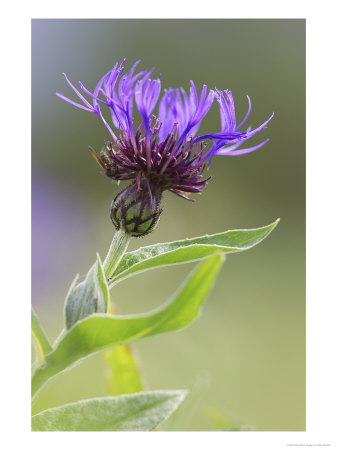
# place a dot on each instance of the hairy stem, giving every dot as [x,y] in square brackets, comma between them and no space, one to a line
[123,374]
[118,247]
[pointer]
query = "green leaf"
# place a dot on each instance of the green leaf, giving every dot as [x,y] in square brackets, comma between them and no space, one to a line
[137,412]
[189,250]
[123,374]
[40,339]
[101,332]
[88,297]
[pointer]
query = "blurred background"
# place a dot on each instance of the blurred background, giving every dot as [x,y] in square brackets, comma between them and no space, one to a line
[244,359]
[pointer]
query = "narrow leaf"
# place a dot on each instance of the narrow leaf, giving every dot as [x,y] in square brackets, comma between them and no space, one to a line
[123,375]
[101,332]
[40,339]
[138,412]
[88,297]
[188,250]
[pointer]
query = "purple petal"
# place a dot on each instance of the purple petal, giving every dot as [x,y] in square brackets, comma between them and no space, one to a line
[98,87]
[76,91]
[227,111]
[247,115]
[193,97]
[166,116]
[133,68]
[74,103]
[146,97]
[84,89]
[229,150]
[261,127]
[226,138]
[196,110]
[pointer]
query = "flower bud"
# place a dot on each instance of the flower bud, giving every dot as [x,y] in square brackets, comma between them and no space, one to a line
[136,209]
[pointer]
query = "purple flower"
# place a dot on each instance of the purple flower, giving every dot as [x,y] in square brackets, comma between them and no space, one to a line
[163,150]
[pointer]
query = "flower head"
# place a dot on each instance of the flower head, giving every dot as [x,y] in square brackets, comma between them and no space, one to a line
[162,153]
[136,211]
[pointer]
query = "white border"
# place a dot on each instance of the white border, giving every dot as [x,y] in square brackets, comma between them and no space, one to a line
[321,224]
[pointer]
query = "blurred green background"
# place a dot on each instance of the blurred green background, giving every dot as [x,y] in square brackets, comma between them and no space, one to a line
[245,357]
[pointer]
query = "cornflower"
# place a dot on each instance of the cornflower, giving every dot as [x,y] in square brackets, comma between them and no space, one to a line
[163,151]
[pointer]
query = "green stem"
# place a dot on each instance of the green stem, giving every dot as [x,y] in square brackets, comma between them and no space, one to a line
[123,372]
[116,251]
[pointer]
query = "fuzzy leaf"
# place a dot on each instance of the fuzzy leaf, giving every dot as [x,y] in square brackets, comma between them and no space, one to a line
[102,331]
[88,297]
[136,412]
[188,250]
[40,339]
